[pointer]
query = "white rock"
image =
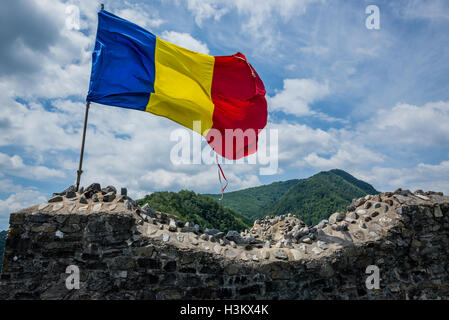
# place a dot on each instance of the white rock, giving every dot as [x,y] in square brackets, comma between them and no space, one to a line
[59,234]
[316,250]
[422,197]
[322,245]
[113,206]
[43,205]
[57,206]
[165,237]
[296,254]
[96,207]
[361,211]
[307,240]
[217,249]
[71,207]
[172,225]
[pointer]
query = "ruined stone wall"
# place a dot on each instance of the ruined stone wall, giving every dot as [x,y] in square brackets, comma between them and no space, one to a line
[123,253]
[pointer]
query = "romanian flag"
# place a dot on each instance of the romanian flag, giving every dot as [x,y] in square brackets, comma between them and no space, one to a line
[132,68]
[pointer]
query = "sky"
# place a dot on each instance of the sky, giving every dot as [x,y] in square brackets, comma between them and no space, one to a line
[373,102]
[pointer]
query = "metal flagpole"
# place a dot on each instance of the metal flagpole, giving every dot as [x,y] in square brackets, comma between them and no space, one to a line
[80,171]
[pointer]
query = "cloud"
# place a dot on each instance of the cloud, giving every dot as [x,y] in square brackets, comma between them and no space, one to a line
[17,201]
[185,40]
[410,124]
[139,16]
[257,14]
[40,53]
[40,129]
[383,149]
[422,176]
[26,32]
[418,9]
[297,95]
[15,166]
[257,20]
[206,9]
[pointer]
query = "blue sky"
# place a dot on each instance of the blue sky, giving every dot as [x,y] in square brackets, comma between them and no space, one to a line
[372,102]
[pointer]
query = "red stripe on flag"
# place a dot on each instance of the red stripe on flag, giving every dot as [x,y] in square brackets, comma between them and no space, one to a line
[239,98]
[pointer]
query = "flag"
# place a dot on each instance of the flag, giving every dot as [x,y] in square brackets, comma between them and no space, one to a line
[132,68]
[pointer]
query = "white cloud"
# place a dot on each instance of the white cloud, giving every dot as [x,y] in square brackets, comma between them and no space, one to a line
[258,13]
[60,67]
[418,9]
[139,16]
[257,19]
[422,176]
[410,124]
[297,95]
[14,166]
[185,40]
[17,201]
[371,147]
[347,156]
[206,9]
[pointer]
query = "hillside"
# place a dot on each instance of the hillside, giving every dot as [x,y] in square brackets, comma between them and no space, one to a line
[2,246]
[311,199]
[366,187]
[319,196]
[253,201]
[196,208]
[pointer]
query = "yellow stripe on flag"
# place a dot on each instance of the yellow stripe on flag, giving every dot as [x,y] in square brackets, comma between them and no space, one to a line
[182,86]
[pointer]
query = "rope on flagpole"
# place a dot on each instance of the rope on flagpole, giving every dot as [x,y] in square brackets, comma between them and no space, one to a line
[219,178]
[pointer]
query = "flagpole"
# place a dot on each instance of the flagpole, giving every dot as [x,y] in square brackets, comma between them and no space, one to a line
[86,114]
[80,171]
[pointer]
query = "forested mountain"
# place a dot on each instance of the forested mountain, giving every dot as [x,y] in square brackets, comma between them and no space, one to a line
[319,196]
[252,202]
[311,199]
[197,208]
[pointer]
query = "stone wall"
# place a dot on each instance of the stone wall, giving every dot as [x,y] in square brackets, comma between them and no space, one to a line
[127,252]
